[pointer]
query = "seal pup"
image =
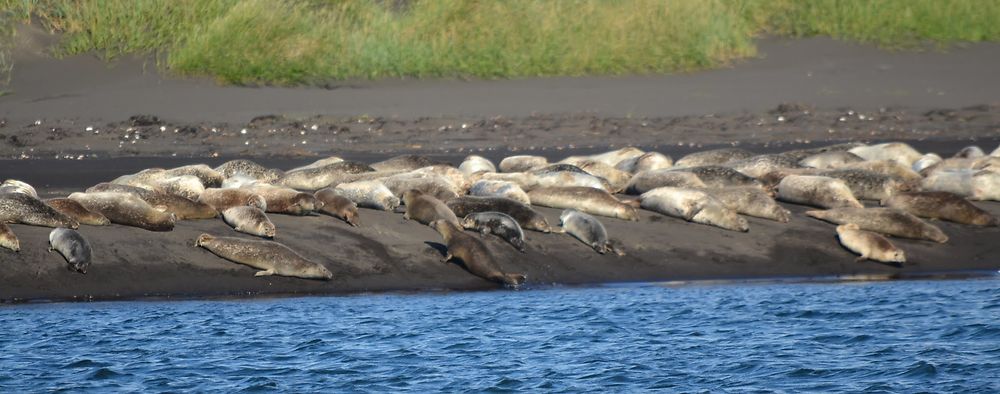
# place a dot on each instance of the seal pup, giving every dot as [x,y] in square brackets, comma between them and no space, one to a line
[286,200]
[223,199]
[271,257]
[522,163]
[713,157]
[817,191]
[318,163]
[182,208]
[750,201]
[496,223]
[693,206]
[425,208]
[495,188]
[526,217]
[759,165]
[319,177]
[16,186]
[868,185]
[647,162]
[250,169]
[369,194]
[24,209]
[887,221]
[405,163]
[587,229]
[76,211]
[476,164]
[943,206]
[208,176]
[73,247]
[584,199]
[126,209]
[871,246]
[830,160]
[645,181]
[899,152]
[720,176]
[474,254]
[8,239]
[250,220]
[338,206]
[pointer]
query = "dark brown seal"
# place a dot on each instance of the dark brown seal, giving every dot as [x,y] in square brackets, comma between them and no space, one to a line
[474,254]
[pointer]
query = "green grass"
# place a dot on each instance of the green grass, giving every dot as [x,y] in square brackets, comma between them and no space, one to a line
[291,42]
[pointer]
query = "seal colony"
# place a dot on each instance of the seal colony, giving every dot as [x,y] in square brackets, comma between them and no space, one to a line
[718,188]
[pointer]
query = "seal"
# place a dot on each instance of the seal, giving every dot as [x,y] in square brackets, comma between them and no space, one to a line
[527,218]
[899,152]
[645,181]
[319,163]
[16,186]
[338,206]
[369,194]
[319,177]
[799,154]
[751,201]
[817,191]
[250,169]
[476,164]
[25,209]
[76,211]
[720,176]
[970,152]
[505,189]
[182,208]
[871,246]
[887,221]
[223,199]
[868,185]
[587,229]
[208,176]
[271,257]
[524,180]
[612,158]
[474,254]
[187,186]
[617,179]
[584,199]
[126,209]
[758,166]
[713,157]
[425,208]
[496,223]
[450,173]
[430,184]
[405,163]
[647,162]
[943,206]
[522,163]
[8,239]
[926,161]
[978,185]
[286,200]
[887,167]
[249,220]
[73,247]
[830,160]
[694,206]
[567,175]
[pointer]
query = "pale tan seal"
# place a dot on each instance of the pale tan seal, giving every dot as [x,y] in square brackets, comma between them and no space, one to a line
[759,165]
[868,185]
[926,161]
[497,188]
[24,209]
[645,181]
[943,206]
[970,152]
[182,208]
[369,194]
[973,184]
[899,152]
[584,199]
[527,218]
[751,201]
[223,199]
[474,164]
[316,178]
[871,246]
[405,163]
[431,184]
[78,212]
[319,163]
[208,176]
[817,191]
[425,208]
[271,257]
[887,221]
[338,206]
[587,229]
[830,160]
[249,220]
[8,239]
[523,180]
[720,176]
[522,163]
[713,157]
[126,209]
[286,200]
[250,169]
[647,162]
[616,178]
[694,206]
[73,247]
[16,186]
[612,158]
[564,175]
[474,254]
[187,186]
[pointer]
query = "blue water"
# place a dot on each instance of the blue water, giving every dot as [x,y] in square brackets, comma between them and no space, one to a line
[942,336]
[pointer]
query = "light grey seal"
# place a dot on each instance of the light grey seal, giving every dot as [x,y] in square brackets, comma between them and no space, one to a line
[319,177]
[338,206]
[720,176]
[25,209]
[751,201]
[868,185]
[887,221]
[970,152]
[647,162]
[496,223]
[830,160]
[497,188]
[713,157]
[972,184]
[528,218]
[584,199]
[817,191]
[126,209]
[182,208]
[645,181]
[16,186]
[943,206]
[208,176]
[522,163]
[758,166]
[223,199]
[899,152]
[73,247]
[617,179]
[871,246]
[474,254]
[425,208]
[8,239]
[76,211]
[474,164]
[249,220]
[587,229]
[318,163]
[250,169]
[406,163]
[694,206]
[271,257]
[369,194]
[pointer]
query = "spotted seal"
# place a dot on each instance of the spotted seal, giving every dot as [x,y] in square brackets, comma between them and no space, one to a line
[73,247]
[208,176]
[496,188]
[223,199]
[528,218]
[474,254]
[126,209]
[369,194]
[817,191]
[76,211]
[338,206]
[871,246]
[645,181]
[249,220]
[250,169]
[887,221]
[587,229]
[759,165]
[182,208]
[868,185]
[720,176]
[319,177]
[943,206]
[496,223]
[751,201]
[25,209]
[584,199]
[713,157]
[431,184]
[271,257]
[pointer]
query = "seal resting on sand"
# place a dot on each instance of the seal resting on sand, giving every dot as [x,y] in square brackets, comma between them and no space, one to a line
[425,208]
[73,247]
[271,257]
[474,254]
[250,220]
[338,206]
[76,211]
[526,217]
[869,245]
[941,205]
[25,209]
[496,223]
[887,221]
[587,229]
[126,209]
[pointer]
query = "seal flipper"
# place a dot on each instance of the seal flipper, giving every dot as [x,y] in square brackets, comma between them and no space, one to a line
[265,273]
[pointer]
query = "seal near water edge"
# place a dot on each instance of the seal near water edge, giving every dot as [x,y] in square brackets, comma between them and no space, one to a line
[588,230]
[943,206]
[8,239]
[425,208]
[24,209]
[887,221]
[527,218]
[496,223]
[76,211]
[126,209]
[73,247]
[405,163]
[316,178]
[871,246]
[338,206]
[271,257]
[474,254]
[250,220]
[584,199]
